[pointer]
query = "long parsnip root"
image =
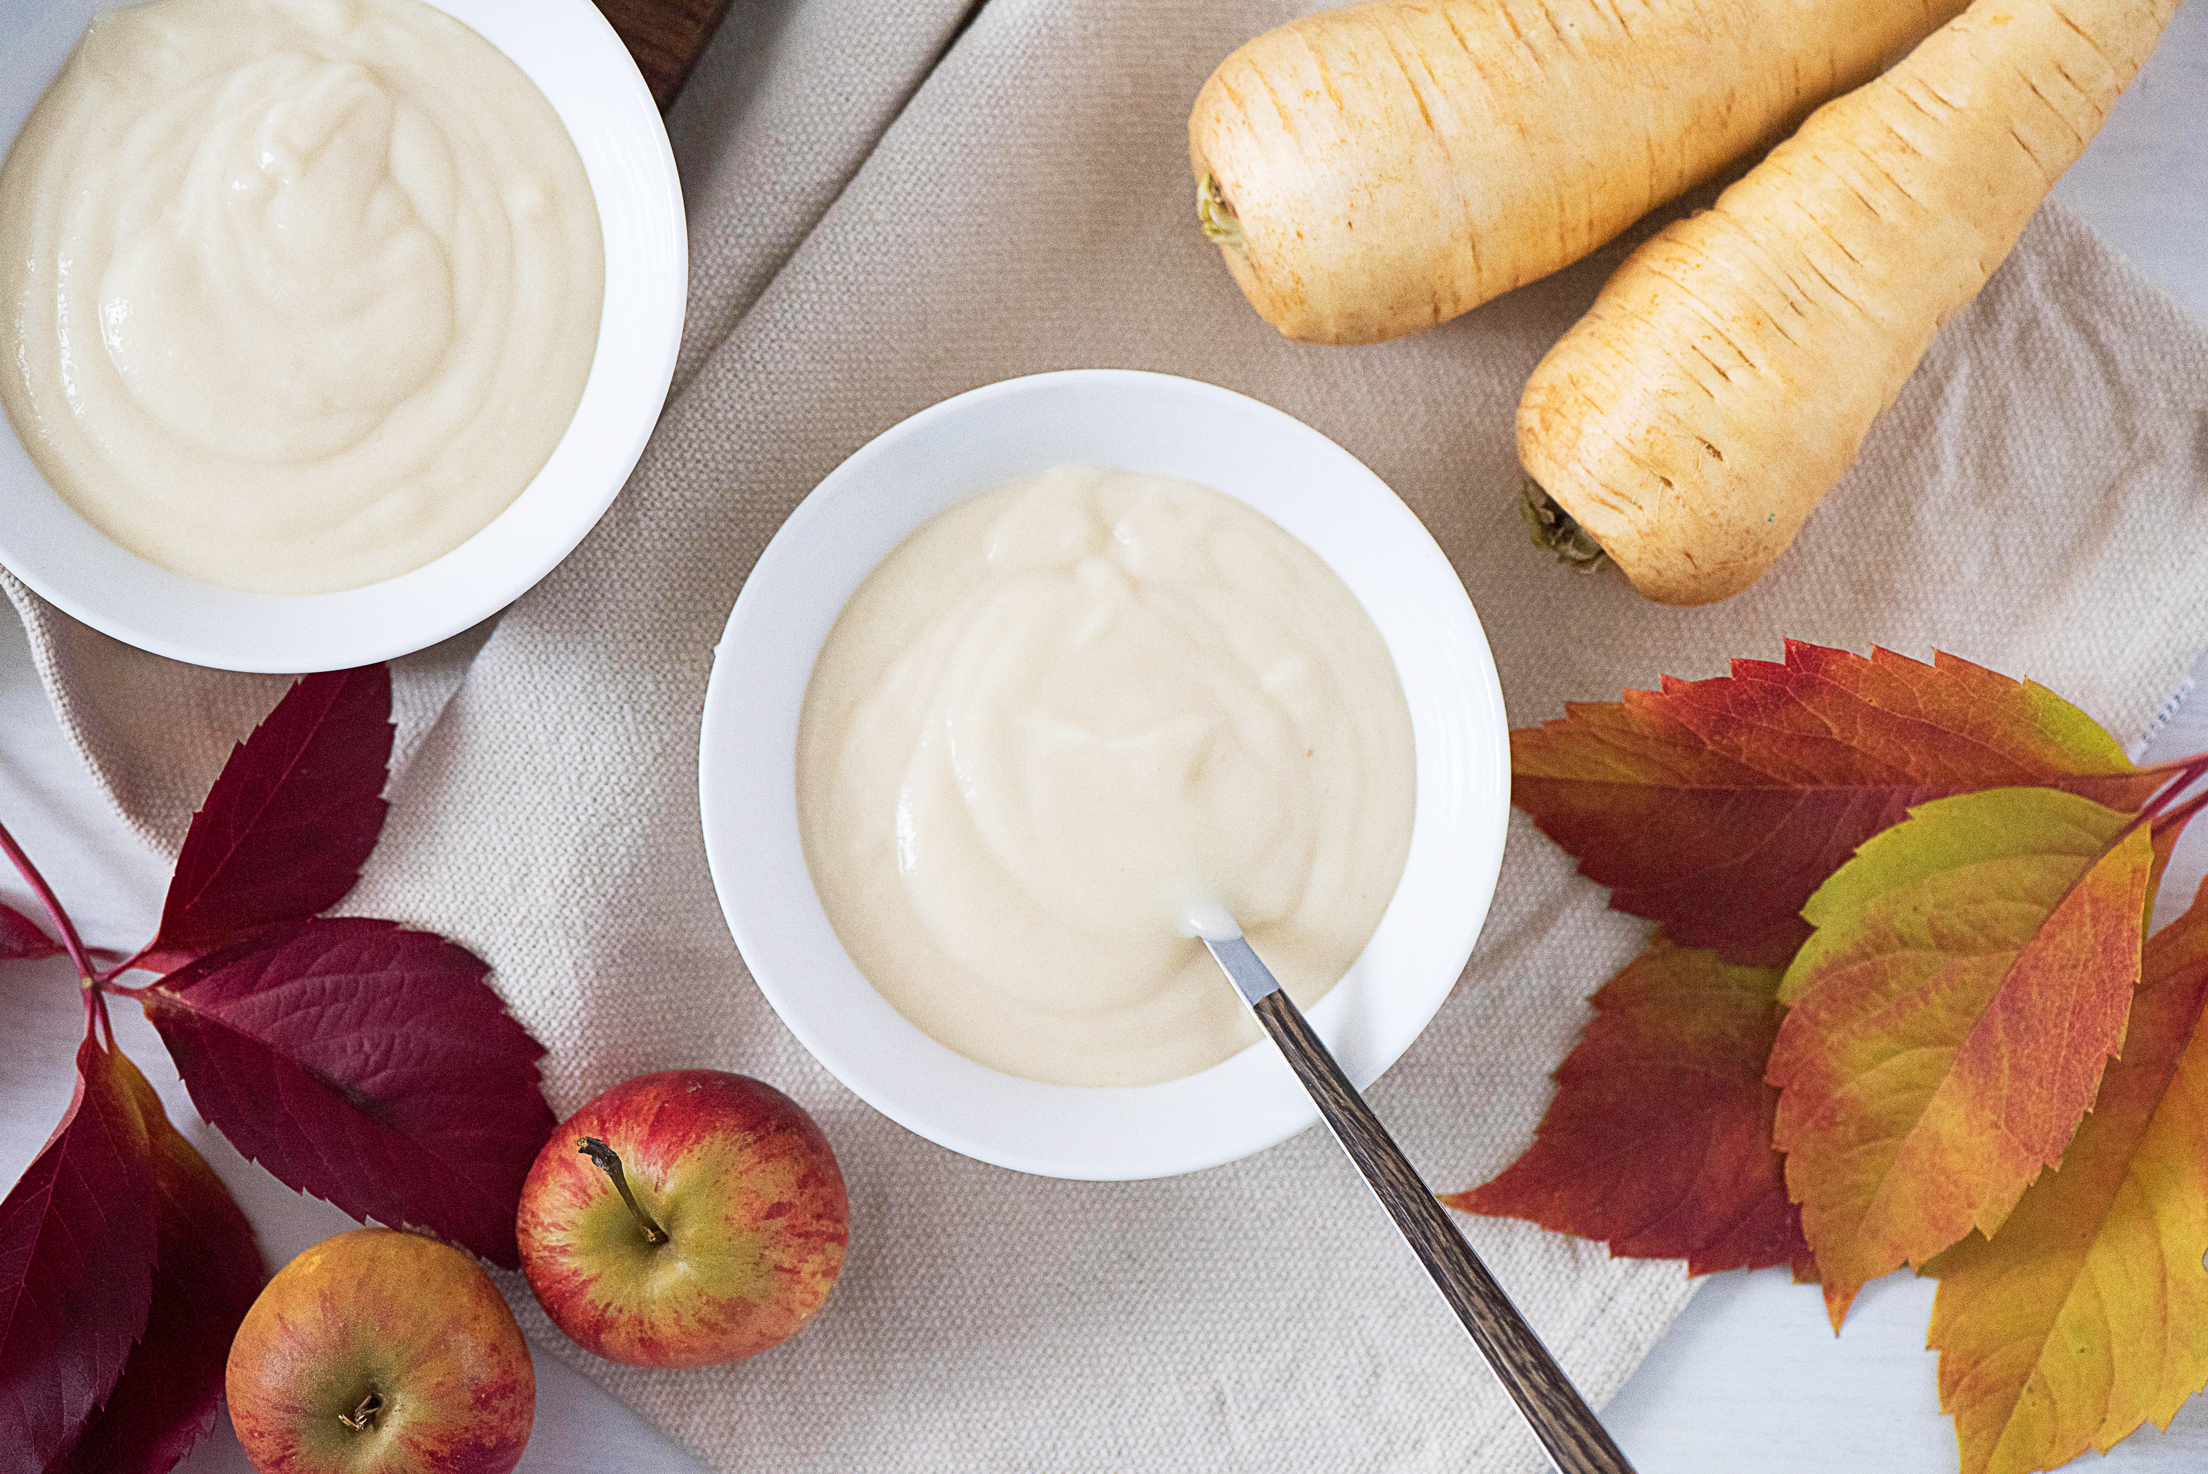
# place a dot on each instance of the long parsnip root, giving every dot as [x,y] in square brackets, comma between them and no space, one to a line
[1372,171]
[1726,375]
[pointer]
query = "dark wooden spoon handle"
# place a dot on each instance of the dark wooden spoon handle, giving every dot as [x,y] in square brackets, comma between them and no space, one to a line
[1561,1419]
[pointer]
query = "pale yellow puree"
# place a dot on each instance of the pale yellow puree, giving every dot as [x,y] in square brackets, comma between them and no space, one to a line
[299,294]
[1058,714]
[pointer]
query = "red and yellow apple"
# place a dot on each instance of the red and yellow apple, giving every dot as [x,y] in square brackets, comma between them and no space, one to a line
[379,1350]
[683,1219]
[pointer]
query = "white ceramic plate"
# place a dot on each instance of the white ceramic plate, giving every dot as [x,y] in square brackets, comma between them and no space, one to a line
[974,443]
[577,60]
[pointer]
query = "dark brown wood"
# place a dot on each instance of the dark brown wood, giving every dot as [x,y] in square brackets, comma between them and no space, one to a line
[665,36]
[1561,1419]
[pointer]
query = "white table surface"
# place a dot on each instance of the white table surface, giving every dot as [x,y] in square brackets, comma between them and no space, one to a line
[1749,1379]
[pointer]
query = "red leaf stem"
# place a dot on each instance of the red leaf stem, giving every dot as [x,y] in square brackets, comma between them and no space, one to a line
[2177,817]
[2192,766]
[2173,768]
[2188,772]
[46,898]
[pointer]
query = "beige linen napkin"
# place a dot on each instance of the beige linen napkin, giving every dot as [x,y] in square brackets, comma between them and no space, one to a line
[2035,502]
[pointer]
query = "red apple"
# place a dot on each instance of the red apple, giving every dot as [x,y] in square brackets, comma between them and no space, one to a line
[377,1350]
[683,1219]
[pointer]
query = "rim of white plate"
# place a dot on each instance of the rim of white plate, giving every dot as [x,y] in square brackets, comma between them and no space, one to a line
[970,444]
[580,64]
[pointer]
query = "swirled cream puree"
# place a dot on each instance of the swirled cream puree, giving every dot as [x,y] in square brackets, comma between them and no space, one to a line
[301,293]
[1058,714]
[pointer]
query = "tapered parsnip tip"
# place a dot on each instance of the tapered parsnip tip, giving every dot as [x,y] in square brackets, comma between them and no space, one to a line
[1594,494]
[1554,530]
[1321,237]
[1215,218]
[1209,123]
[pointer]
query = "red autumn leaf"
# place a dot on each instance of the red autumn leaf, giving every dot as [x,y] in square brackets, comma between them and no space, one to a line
[368,1065]
[1715,808]
[1659,1139]
[206,1275]
[22,939]
[76,1265]
[287,826]
[1950,1019]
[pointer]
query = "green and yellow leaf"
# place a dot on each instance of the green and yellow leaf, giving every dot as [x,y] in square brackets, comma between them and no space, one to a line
[1950,1019]
[2087,1314]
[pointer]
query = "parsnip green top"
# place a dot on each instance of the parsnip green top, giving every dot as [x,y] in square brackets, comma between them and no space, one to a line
[1055,716]
[300,293]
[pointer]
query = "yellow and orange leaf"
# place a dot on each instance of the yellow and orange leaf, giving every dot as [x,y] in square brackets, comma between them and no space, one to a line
[1659,1139]
[1950,1018]
[2087,1313]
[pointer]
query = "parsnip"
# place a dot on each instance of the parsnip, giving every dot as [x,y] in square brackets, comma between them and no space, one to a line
[1727,373]
[1372,171]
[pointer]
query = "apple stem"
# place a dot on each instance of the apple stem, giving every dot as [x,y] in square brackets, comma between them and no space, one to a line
[609,1162]
[360,1417]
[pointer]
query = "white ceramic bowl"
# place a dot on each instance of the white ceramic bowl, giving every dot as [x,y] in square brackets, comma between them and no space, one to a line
[579,63]
[1145,422]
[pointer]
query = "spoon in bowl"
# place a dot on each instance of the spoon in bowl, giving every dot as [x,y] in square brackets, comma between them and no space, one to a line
[1559,1417]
